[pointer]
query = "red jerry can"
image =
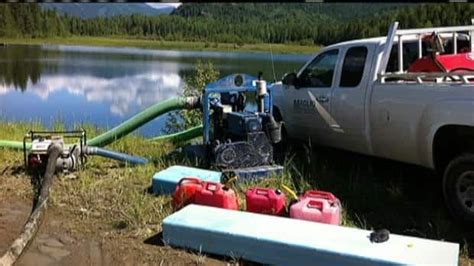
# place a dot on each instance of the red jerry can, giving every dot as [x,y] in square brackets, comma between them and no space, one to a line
[216,195]
[186,191]
[317,206]
[265,200]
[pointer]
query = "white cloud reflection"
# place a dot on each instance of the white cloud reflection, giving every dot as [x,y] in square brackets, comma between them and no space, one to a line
[120,92]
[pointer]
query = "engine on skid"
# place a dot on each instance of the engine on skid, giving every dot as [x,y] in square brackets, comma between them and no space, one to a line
[239,128]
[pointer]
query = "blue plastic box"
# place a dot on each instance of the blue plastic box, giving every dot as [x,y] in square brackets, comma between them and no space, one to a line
[164,182]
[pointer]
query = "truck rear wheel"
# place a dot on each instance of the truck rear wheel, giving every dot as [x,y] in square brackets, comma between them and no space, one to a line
[458,187]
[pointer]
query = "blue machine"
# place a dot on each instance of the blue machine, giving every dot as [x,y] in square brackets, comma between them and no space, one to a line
[242,123]
[238,134]
[232,85]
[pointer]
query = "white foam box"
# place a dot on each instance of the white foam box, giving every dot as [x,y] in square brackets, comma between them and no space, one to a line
[284,241]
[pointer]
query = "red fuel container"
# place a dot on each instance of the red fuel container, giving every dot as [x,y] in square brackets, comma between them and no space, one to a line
[317,206]
[265,200]
[216,195]
[186,191]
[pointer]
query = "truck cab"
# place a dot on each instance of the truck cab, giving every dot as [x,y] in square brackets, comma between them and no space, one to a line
[325,101]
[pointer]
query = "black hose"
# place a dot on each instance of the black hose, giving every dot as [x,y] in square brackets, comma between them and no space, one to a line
[35,218]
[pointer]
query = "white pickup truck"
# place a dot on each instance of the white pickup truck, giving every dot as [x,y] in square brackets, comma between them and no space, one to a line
[358,96]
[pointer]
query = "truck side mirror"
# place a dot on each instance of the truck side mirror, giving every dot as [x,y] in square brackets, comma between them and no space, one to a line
[289,79]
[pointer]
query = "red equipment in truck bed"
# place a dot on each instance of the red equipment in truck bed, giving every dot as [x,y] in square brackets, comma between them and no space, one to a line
[444,63]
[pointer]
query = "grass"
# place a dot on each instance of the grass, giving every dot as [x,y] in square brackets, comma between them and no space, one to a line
[110,198]
[165,45]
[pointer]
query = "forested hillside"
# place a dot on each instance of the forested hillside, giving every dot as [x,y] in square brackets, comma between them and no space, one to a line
[28,20]
[239,23]
[238,12]
[93,10]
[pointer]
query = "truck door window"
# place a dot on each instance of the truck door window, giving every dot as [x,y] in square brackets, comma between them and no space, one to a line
[410,54]
[353,66]
[320,72]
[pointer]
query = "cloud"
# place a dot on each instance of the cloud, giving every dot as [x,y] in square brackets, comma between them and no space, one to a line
[121,92]
[163,5]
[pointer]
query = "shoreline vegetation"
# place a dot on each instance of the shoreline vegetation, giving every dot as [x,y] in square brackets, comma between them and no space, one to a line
[164,45]
[107,199]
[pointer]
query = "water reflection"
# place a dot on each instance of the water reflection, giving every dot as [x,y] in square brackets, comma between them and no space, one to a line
[20,65]
[104,86]
[119,80]
[121,93]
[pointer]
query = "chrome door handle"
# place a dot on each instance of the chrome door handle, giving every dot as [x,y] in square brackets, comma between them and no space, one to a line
[322,99]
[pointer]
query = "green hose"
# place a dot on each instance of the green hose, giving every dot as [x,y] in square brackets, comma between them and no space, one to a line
[138,120]
[133,123]
[184,135]
[18,145]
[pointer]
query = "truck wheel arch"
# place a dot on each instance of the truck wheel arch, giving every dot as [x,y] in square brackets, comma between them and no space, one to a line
[277,114]
[279,118]
[450,141]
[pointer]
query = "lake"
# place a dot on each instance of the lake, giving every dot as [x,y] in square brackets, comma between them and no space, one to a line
[104,86]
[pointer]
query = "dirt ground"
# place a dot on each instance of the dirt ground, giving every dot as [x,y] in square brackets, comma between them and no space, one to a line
[54,244]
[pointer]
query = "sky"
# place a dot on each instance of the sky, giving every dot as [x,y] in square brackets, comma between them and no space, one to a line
[161,5]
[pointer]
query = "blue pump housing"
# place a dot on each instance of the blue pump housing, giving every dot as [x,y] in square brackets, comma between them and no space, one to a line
[233,83]
[242,123]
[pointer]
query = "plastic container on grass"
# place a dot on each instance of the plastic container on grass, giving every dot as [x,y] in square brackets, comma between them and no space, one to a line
[216,195]
[265,201]
[186,191]
[317,206]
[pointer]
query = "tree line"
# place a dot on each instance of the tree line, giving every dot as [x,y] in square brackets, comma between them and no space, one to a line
[29,20]
[238,23]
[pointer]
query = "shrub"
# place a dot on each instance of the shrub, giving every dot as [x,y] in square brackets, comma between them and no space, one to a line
[204,73]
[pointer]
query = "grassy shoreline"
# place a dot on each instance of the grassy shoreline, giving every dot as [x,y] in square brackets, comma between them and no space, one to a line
[374,193]
[164,45]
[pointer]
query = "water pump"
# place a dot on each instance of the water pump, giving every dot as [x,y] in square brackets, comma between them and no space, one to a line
[239,133]
[72,157]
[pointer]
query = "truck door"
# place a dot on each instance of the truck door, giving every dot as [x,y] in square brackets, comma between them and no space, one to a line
[349,96]
[307,104]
